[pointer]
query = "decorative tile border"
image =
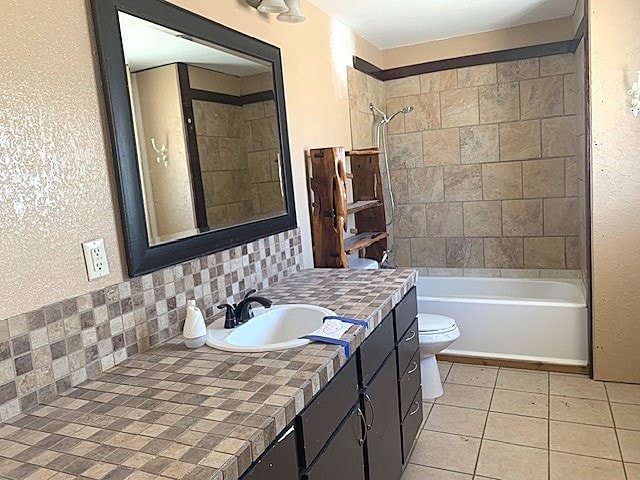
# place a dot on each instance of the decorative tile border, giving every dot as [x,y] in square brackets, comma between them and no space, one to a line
[47,351]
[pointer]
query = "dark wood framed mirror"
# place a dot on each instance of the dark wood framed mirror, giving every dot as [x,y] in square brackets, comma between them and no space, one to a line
[198,130]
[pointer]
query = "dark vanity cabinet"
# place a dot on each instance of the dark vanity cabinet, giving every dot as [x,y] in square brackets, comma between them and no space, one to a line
[279,462]
[362,425]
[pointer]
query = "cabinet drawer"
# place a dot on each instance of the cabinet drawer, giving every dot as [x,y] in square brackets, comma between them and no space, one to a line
[405,312]
[279,462]
[409,384]
[344,456]
[375,349]
[407,346]
[321,418]
[411,426]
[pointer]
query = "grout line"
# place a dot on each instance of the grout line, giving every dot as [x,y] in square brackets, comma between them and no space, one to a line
[615,429]
[484,428]
[500,441]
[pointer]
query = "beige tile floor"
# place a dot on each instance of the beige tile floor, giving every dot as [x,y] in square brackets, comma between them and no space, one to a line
[506,424]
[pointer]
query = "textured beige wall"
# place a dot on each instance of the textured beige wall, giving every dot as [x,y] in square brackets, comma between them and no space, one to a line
[55,187]
[55,181]
[615,59]
[522,36]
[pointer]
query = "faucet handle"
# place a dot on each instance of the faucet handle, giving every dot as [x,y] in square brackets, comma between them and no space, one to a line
[230,317]
[250,292]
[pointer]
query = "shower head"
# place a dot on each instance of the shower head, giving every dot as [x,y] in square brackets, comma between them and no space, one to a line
[403,111]
[386,118]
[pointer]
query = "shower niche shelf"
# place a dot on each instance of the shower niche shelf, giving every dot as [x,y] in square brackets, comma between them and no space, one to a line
[329,182]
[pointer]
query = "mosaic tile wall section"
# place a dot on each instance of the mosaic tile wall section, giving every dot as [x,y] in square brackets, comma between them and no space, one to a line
[45,352]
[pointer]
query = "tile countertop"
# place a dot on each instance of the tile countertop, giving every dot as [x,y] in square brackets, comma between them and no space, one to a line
[174,413]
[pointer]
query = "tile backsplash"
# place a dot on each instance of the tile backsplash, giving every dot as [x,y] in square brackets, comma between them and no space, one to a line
[47,351]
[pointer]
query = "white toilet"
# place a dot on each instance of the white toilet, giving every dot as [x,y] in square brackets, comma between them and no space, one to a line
[437,332]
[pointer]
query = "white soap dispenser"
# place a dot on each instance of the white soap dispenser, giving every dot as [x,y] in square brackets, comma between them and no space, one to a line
[195,330]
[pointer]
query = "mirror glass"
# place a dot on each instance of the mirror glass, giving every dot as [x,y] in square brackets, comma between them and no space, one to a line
[206,131]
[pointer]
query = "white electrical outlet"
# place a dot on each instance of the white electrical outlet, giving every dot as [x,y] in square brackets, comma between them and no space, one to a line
[95,257]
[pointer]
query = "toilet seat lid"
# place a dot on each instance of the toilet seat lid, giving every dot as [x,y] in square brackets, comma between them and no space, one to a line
[428,322]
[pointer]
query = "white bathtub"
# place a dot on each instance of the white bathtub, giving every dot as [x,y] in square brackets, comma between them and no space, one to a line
[515,319]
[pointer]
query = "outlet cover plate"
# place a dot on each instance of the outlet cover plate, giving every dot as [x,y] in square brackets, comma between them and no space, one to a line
[95,257]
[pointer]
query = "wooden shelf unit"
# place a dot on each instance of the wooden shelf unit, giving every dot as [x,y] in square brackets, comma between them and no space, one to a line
[329,208]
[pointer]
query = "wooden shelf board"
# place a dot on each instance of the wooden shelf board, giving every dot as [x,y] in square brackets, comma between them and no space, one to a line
[363,240]
[364,151]
[361,205]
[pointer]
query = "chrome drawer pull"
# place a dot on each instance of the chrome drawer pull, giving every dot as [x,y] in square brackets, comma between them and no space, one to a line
[364,427]
[411,337]
[373,411]
[411,414]
[415,367]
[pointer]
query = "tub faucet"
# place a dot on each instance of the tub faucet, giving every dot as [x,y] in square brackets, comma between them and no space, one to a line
[384,262]
[239,313]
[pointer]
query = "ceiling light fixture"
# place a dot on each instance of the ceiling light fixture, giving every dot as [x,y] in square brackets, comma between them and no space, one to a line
[288,10]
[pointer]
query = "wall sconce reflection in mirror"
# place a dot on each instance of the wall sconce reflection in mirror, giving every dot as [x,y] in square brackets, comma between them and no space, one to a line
[163,153]
[287,10]
[635,97]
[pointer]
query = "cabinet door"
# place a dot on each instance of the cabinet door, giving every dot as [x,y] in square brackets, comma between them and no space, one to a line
[343,457]
[326,411]
[279,462]
[380,404]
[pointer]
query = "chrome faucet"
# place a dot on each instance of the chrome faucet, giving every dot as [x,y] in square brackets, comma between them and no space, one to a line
[239,313]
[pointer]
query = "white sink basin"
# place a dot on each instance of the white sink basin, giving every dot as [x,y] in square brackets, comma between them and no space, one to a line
[276,328]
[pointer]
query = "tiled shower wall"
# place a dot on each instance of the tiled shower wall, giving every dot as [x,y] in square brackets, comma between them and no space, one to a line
[47,351]
[484,168]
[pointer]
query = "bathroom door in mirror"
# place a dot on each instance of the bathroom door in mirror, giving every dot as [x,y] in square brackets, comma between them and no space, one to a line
[206,131]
